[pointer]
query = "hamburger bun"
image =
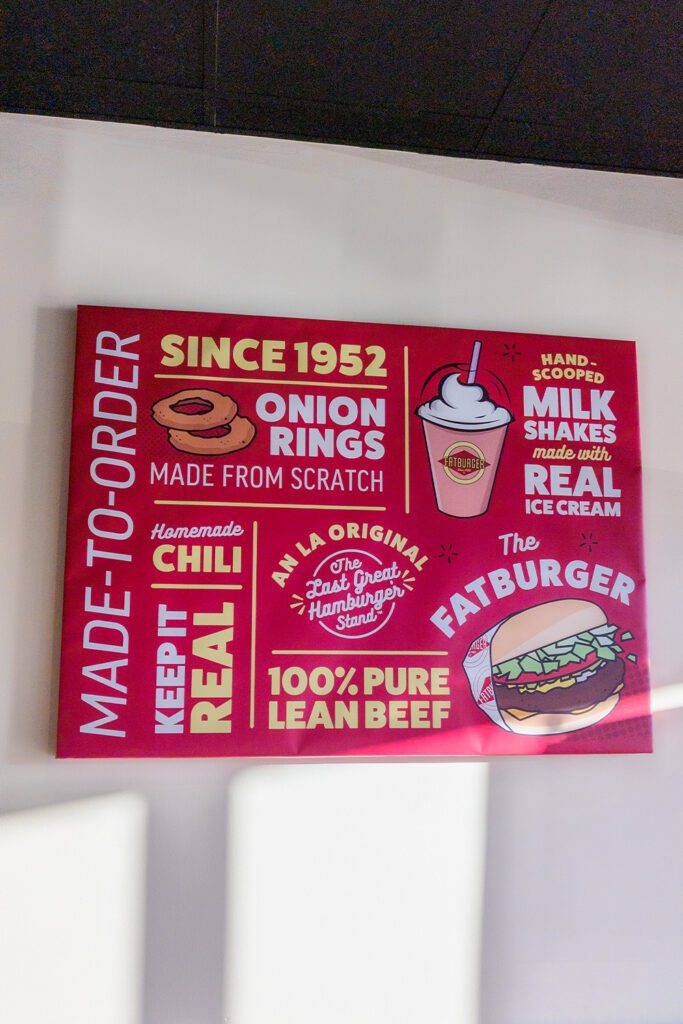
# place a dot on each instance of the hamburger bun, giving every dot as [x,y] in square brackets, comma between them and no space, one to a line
[543,624]
[535,693]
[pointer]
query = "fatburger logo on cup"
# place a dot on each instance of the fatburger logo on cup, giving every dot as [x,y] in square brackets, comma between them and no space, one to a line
[464,463]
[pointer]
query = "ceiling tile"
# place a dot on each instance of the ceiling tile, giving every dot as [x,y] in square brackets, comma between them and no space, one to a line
[435,55]
[121,101]
[158,41]
[553,81]
[602,64]
[361,126]
[622,148]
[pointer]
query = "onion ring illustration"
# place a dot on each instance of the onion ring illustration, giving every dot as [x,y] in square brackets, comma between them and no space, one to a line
[194,409]
[221,440]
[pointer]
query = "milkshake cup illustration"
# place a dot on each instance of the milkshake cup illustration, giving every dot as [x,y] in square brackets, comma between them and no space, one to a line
[464,432]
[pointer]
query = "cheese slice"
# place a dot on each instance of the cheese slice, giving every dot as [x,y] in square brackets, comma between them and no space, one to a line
[521,715]
[565,683]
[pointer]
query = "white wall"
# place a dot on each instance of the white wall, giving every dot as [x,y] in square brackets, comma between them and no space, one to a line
[518,892]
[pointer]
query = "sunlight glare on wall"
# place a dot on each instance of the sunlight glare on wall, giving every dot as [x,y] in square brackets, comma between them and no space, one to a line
[354,893]
[71,899]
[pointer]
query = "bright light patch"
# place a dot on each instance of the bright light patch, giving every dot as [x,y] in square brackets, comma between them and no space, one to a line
[71,899]
[354,893]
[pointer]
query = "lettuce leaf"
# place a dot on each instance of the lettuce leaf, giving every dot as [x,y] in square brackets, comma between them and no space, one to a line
[564,653]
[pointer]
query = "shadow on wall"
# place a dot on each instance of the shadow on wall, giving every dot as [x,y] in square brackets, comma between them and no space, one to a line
[36,390]
[345,892]
[309,892]
[644,201]
[72,882]
[113,904]
[582,923]
[29,717]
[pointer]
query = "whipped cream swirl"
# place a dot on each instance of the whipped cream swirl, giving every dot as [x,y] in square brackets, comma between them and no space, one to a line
[463,407]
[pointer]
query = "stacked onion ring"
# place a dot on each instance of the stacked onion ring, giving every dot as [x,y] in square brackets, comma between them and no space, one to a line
[203,422]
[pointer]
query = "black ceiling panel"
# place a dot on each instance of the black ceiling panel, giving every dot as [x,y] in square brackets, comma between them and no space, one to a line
[616,148]
[580,82]
[601,85]
[357,125]
[118,101]
[603,64]
[435,56]
[130,40]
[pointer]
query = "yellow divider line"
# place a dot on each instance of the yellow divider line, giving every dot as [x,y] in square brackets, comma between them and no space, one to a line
[196,586]
[270,380]
[254,578]
[390,653]
[406,426]
[264,504]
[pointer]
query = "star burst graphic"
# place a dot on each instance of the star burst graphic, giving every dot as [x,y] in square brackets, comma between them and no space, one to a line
[510,351]
[447,552]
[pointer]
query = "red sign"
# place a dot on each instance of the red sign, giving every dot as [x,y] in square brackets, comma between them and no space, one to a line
[298,537]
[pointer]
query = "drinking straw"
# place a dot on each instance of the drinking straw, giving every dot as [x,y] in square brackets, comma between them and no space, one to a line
[474,362]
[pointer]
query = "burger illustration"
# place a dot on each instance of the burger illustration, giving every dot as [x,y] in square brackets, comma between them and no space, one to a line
[552,668]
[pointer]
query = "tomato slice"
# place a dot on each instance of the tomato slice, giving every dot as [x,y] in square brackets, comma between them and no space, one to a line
[531,677]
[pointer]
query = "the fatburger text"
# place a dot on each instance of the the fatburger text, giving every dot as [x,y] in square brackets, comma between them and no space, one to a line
[530,575]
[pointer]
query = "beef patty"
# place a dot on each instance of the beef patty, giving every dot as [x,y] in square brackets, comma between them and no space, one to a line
[597,687]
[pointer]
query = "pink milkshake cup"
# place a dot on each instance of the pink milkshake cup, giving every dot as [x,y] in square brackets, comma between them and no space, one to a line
[464,432]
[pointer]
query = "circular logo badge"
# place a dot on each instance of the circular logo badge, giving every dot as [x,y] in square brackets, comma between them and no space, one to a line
[464,462]
[353,593]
